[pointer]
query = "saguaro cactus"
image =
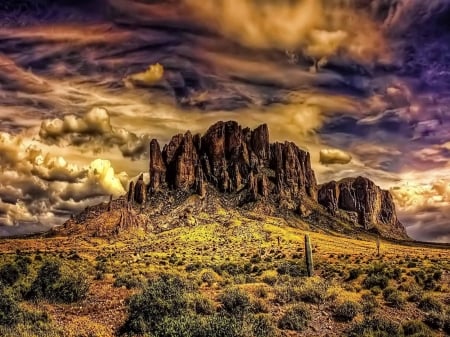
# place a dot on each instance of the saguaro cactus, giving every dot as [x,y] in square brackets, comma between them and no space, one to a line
[308,256]
[378,245]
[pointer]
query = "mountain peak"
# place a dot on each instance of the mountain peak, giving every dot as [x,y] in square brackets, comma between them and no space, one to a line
[239,168]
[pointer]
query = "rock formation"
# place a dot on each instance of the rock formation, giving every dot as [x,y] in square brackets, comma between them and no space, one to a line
[241,162]
[231,159]
[373,206]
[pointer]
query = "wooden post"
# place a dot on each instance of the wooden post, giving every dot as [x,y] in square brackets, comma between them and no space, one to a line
[308,256]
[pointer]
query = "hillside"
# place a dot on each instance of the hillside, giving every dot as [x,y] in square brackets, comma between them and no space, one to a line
[237,168]
[263,256]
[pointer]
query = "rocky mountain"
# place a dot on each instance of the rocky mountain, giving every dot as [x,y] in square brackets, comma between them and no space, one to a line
[232,167]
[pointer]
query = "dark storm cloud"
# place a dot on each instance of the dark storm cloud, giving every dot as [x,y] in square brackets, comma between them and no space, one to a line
[375,88]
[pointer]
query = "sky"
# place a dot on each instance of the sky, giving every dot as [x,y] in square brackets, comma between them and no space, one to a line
[363,85]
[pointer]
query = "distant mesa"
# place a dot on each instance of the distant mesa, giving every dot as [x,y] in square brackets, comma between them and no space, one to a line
[239,168]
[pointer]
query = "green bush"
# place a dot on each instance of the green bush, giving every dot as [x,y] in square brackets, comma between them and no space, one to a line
[393,298]
[369,304]
[42,286]
[346,311]
[429,304]
[292,268]
[435,320]
[70,289]
[315,292]
[9,310]
[295,318]
[126,280]
[354,274]
[235,301]
[287,294]
[22,263]
[376,326]
[202,305]
[416,329]
[50,284]
[163,298]
[9,274]
[376,280]
[262,326]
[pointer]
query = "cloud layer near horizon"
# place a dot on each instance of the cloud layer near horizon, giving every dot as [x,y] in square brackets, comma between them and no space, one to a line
[363,96]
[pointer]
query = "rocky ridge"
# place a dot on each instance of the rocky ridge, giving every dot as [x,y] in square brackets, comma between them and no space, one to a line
[240,169]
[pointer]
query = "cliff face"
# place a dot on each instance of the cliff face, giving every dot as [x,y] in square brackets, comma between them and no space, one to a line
[233,159]
[240,162]
[374,208]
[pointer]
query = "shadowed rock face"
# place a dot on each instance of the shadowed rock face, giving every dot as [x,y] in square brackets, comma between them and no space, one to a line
[374,207]
[233,159]
[241,162]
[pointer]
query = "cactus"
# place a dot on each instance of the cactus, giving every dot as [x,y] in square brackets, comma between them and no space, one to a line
[378,245]
[308,256]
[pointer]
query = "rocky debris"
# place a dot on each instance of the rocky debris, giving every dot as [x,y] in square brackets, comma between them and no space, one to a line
[373,206]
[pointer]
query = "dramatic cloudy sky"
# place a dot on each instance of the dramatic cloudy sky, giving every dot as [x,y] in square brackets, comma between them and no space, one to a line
[364,85]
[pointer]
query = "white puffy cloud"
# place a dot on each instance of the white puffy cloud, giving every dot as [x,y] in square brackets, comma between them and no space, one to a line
[94,132]
[39,190]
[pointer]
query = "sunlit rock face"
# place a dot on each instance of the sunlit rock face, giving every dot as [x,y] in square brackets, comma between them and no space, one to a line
[374,207]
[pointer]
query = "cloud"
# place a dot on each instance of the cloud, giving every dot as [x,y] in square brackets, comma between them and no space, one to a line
[95,132]
[38,190]
[319,29]
[334,156]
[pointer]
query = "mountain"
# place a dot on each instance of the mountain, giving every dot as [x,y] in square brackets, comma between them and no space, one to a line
[231,168]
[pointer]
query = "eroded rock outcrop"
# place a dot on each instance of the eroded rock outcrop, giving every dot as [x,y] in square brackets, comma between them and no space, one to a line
[374,207]
[242,162]
[233,159]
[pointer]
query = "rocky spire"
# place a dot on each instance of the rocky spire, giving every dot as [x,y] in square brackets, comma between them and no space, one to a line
[157,168]
[140,191]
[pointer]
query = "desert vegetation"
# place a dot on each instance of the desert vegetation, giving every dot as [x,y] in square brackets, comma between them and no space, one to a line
[211,280]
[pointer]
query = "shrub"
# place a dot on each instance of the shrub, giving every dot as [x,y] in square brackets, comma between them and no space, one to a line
[435,320]
[346,311]
[416,329]
[376,326]
[314,292]
[295,318]
[70,289]
[259,306]
[126,280]
[262,326]
[162,298]
[292,268]
[235,301]
[202,305]
[22,263]
[287,294]
[376,280]
[9,274]
[429,304]
[9,310]
[369,304]
[51,285]
[42,286]
[393,297]
[354,274]
[222,326]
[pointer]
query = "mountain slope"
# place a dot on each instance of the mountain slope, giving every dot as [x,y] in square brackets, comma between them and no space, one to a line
[233,168]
